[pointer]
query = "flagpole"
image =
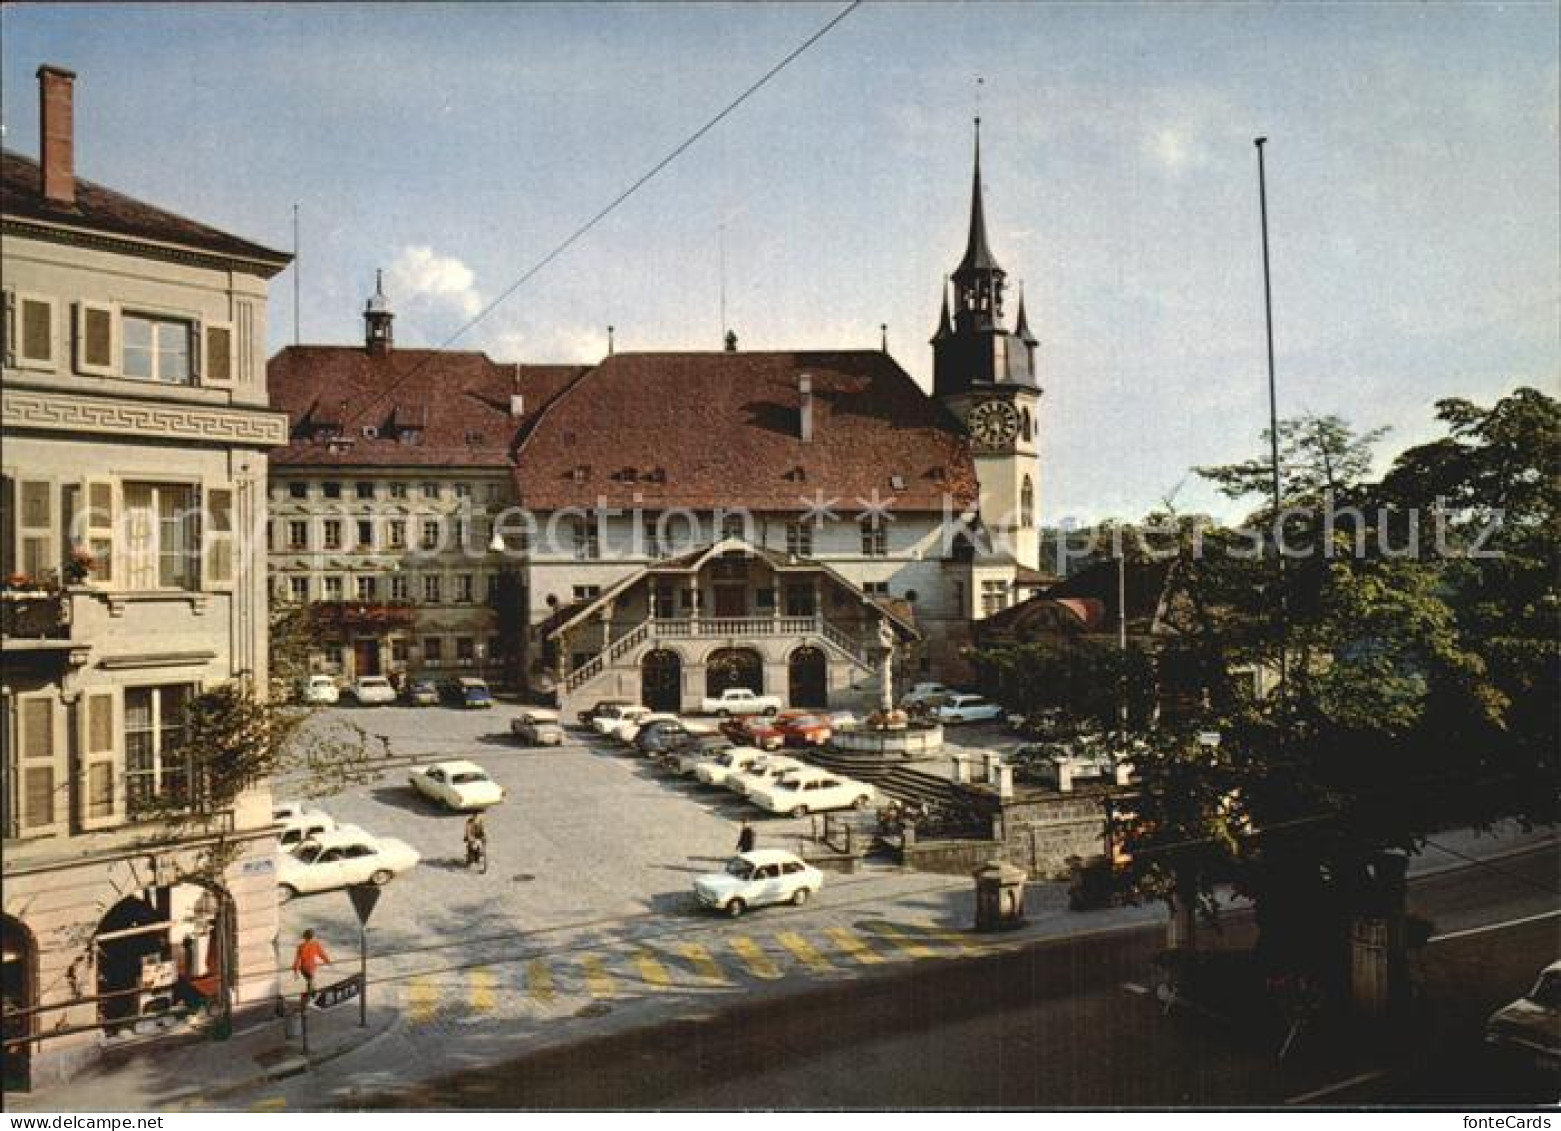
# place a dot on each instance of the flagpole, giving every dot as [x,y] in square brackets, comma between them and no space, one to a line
[1273,424]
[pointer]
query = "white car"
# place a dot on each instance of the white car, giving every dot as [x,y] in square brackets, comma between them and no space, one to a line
[341,858]
[1532,1024]
[371,689]
[740,701]
[761,773]
[967,709]
[753,879]
[688,760]
[613,716]
[456,785]
[628,730]
[319,689]
[811,791]
[537,726]
[733,761]
[929,693]
[302,826]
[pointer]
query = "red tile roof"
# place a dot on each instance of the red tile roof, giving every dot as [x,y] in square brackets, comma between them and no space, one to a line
[703,430]
[104,210]
[423,408]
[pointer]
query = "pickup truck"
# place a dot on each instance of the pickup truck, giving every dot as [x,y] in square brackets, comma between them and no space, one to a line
[740,701]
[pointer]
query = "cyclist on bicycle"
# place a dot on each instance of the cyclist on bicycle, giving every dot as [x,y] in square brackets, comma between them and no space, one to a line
[476,839]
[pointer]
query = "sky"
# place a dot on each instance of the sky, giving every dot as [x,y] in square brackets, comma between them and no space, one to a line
[1412,178]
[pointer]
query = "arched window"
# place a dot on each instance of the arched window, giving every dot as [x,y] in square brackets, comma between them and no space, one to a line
[1027,516]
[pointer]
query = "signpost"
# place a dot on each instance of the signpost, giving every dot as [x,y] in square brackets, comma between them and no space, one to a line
[364,897]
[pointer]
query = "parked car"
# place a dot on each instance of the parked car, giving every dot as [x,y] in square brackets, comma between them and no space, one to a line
[926,694]
[686,760]
[340,858]
[767,733]
[807,730]
[302,826]
[421,692]
[608,720]
[843,720]
[629,729]
[655,737]
[733,761]
[468,691]
[456,785]
[967,709]
[761,773]
[603,708]
[537,726]
[740,701]
[318,689]
[371,690]
[753,879]
[1531,1025]
[811,791]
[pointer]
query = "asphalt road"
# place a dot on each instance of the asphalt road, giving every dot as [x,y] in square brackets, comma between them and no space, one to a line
[1062,1024]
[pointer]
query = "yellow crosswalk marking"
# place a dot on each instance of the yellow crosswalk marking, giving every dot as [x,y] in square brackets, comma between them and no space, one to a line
[482,996]
[956,939]
[902,941]
[652,971]
[853,947]
[753,956]
[704,965]
[539,981]
[598,982]
[805,951]
[422,997]
[272,1103]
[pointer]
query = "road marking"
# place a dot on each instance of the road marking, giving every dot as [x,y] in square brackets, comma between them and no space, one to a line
[271,1103]
[1494,926]
[704,965]
[753,956]
[1342,1085]
[805,952]
[483,998]
[853,947]
[956,939]
[900,940]
[539,981]
[598,982]
[652,971]
[422,997]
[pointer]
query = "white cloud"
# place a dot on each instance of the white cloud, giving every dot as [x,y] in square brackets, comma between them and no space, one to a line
[422,279]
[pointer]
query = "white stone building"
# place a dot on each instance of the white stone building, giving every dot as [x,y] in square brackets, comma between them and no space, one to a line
[136,432]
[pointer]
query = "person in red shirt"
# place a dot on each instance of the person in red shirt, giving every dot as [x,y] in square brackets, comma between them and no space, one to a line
[308,958]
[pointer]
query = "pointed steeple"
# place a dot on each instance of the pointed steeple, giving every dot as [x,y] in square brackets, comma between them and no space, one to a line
[978,256]
[1022,324]
[945,326]
[377,318]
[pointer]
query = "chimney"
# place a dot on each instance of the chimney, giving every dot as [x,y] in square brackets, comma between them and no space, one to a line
[731,341]
[805,407]
[56,132]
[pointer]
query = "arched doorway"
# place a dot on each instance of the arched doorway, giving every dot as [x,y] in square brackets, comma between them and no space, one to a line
[661,680]
[734,667]
[132,938]
[153,946]
[19,984]
[807,675]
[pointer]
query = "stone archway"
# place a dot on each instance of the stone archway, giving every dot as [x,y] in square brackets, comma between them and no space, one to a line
[661,680]
[185,933]
[807,677]
[734,667]
[20,986]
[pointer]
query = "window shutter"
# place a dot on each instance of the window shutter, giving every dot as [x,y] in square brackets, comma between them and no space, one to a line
[37,798]
[37,729]
[99,755]
[219,537]
[219,354]
[100,791]
[35,529]
[40,767]
[36,336]
[98,527]
[94,338]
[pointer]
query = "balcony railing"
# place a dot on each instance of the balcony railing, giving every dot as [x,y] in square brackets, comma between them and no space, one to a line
[34,615]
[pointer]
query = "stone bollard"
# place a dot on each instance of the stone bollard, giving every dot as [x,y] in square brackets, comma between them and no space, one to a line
[999,896]
[1005,782]
[1064,777]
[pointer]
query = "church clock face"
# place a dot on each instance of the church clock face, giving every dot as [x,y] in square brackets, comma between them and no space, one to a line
[993,423]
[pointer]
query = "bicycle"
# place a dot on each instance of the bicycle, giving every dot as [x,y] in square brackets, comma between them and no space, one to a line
[477,855]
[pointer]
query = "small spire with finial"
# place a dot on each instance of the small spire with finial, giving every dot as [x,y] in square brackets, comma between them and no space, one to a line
[609,341]
[883,339]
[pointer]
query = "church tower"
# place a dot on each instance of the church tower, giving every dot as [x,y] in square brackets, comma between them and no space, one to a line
[986,376]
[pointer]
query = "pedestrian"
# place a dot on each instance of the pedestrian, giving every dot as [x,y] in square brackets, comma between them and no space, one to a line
[308,958]
[746,838]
